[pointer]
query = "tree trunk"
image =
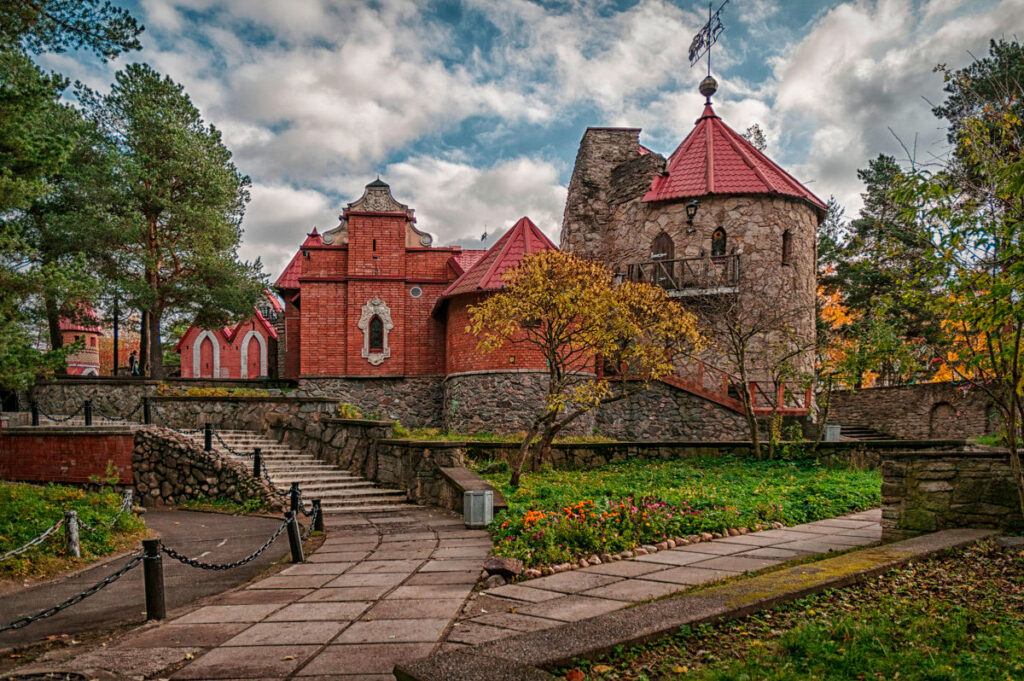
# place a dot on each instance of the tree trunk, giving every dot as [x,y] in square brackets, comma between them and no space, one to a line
[522,455]
[1011,444]
[156,351]
[53,328]
[144,343]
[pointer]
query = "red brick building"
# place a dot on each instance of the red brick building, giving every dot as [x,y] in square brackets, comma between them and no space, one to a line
[247,350]
[375,314]
[85,362]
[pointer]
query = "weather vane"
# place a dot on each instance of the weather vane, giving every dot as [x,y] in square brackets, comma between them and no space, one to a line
[707,36]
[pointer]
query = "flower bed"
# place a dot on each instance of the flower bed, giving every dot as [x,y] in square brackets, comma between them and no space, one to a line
[564,516]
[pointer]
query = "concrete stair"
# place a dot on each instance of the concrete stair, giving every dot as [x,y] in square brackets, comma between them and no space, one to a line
[339,490]
[863,433]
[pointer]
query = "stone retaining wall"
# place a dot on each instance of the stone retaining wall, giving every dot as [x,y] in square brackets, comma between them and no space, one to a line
[928,491]
[919,412]
[411,400]
[239,413]
[167,468]
[665,413]
[349,443]
[416,468]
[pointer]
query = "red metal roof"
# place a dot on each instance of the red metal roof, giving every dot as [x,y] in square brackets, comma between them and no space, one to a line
[486,273]
[715,159]
[85,313]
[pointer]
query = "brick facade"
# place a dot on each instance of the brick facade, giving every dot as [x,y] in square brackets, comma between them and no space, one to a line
[247,350]
[65,454]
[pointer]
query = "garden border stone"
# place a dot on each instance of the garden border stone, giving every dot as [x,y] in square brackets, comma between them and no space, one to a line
[523,656]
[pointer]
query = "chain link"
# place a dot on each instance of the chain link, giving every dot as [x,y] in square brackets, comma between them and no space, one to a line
[126,505]
[298,499]
[226,446]
[314,514]
[224,566]
[119,419]
[60,419]
[273,488]
[77,598]
[33,542]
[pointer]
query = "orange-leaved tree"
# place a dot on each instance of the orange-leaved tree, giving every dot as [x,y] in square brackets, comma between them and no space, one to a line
[569,312]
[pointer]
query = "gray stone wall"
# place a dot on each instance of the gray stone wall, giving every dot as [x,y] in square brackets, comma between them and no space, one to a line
[237,413]
[922,411]
[416,468]
[411,400]
[499,402]
[929,491]
[666,413]
[121,396]
[167,468]
[348,443]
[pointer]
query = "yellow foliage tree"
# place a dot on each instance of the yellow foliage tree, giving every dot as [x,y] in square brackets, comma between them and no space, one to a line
[569,312]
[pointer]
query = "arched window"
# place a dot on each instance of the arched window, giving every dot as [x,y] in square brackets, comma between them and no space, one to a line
[376,334]
[718,242]
[787,247]
[662,247]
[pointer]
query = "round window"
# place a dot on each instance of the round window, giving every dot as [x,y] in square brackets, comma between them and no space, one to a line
[415,292]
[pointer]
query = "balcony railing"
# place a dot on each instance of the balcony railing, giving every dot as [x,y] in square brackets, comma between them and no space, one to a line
[690,276]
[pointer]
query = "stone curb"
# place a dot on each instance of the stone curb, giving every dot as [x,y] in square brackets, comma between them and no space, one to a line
[522,656]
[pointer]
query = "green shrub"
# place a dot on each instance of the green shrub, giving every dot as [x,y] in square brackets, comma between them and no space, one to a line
[344,410]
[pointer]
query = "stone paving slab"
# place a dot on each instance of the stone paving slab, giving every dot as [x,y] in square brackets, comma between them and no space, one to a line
[247,662]
[363,659]
[518,655]
[571,608]
[286,633]
[331,610]
[417,608]
[399,630]
[572,582]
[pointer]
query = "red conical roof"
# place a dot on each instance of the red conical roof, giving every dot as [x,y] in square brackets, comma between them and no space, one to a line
[715,159]
[485,274]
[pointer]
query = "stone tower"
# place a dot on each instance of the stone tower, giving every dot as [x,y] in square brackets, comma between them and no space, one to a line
[717,218]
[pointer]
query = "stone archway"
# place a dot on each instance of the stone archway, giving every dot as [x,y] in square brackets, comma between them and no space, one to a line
[942,421]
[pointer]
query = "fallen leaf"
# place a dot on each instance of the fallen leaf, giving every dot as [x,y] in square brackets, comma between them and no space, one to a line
[288,657]
[177,523]
[574,675]
[189,656]
[602,668]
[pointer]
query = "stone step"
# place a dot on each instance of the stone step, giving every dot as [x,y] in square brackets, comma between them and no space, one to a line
[281,480]
[328,486]
[370,493]
[387,508]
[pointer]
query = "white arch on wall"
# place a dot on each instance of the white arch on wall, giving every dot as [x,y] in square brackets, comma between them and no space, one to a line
[197,354]
[244,355]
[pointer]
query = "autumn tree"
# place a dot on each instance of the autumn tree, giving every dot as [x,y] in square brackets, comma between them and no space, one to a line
[570,312]
[975,208]
[172,223]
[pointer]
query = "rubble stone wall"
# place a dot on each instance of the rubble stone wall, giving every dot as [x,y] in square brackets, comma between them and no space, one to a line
[929,491]
[412,400]
[666,413]
[925,410]
[167,468]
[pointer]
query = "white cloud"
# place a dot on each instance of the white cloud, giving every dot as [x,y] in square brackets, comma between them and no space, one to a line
[277,220]
[866,67]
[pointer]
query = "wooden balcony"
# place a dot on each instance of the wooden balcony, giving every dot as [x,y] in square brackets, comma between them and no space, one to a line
[707,275]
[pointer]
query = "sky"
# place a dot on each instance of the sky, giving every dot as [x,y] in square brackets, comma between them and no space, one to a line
[473,110]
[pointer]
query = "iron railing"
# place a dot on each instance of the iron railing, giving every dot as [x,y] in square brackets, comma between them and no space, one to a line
[689,276]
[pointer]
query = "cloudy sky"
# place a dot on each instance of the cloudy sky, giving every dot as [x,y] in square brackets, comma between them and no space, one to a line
[472,110]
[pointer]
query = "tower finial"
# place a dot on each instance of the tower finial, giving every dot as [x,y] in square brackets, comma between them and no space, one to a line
[708,87]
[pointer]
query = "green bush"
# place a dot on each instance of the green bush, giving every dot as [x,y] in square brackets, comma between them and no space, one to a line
[344,410]
[27,510]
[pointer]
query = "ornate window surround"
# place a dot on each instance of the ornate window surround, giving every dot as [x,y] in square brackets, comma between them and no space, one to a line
[243,369]
[375,307]
[197,353]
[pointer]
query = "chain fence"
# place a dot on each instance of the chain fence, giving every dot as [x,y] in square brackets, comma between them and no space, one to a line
[126,506]
[299,504]
[228,447]
[314,514]
[33,542]
[120,419]
[61,419]
[224,566]
[77,598]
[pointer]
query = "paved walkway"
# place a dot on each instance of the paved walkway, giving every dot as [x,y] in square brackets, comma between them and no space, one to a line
[381,589]
[572,596]
[218,538]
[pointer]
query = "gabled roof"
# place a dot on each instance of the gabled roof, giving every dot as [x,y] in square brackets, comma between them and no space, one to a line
[229,333]
[463,260]
[486,273]
[289,278]
[715,159]
[86,314]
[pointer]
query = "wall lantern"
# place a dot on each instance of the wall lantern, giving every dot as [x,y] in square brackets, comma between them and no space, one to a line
[691,210]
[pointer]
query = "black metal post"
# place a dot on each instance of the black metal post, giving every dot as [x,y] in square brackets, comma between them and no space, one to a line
[294,539]
[88,412]
[147,411]
[153,569]
[294,494]
[318,516]
[207,437]
[257,463]
[35,413]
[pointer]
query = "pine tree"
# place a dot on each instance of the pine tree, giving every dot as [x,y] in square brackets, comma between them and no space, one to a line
[172,224]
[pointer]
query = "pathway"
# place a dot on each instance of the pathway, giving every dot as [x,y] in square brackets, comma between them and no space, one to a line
[221,538]
[579,594]
[381,589]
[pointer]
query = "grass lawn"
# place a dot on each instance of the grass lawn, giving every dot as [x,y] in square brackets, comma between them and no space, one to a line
[556,516]
[27,510]
[960,616]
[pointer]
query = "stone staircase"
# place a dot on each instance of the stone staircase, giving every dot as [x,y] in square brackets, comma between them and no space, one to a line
[339,490]
[863,433]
